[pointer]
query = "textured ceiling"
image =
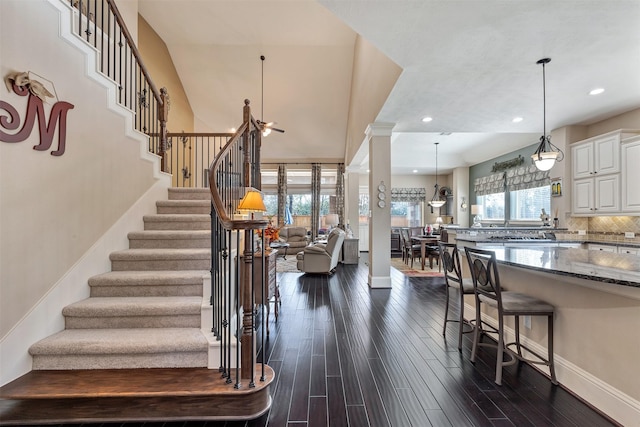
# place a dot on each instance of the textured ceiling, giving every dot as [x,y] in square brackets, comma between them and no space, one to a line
[471,65]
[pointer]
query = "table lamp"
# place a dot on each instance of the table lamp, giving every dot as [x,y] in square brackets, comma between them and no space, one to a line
[476,210]
[331,220]
[252,202]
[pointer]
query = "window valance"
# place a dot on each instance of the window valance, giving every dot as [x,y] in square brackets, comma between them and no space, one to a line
[408,194]
[524,177]
[490,184]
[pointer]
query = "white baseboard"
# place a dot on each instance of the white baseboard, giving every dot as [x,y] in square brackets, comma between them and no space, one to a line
[601,395]
[45,318]
[379,282]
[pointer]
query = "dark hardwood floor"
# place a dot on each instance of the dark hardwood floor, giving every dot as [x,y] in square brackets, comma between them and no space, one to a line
[345,355]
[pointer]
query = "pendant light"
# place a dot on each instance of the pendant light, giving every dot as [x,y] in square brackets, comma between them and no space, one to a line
[546,154]
[435,201]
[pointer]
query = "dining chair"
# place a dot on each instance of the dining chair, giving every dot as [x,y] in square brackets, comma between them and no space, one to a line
[488,290]
[412,250]
[450,261]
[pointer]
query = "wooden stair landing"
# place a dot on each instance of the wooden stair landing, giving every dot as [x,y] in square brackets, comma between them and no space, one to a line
[125,395]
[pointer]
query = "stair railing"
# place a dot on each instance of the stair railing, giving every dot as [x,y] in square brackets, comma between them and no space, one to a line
[189,155]
[100,24]
[235,169]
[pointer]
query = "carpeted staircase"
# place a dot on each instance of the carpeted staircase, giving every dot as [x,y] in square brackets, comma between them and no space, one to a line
[146,312]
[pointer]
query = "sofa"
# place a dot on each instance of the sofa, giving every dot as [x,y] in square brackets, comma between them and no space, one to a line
[322,257]
[296,237]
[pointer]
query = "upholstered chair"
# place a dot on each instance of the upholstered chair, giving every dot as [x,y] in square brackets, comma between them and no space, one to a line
[296,237]
[322,257]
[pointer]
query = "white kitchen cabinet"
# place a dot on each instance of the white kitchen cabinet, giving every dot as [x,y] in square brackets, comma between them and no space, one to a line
[628,250]
[630,151]
[571,245]
[605,174]
[596,195]
[604,248]
[596,156]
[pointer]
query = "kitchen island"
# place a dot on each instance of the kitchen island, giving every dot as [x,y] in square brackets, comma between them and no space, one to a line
[597,321]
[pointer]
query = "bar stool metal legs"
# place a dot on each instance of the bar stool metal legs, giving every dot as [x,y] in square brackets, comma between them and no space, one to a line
[450,262]
[488,291]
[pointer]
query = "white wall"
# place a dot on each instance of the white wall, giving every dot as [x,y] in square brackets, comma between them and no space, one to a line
[54,211]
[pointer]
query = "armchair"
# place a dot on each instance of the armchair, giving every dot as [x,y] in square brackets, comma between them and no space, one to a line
[322,257]
[296,237]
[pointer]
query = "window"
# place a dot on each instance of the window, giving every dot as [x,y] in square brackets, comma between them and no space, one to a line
[271,203]
[299,194]
[523,205]
[406,214]
[526,205]
[493,207]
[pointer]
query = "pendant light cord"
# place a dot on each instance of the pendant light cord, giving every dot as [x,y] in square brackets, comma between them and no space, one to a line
[262,58]
[544,101]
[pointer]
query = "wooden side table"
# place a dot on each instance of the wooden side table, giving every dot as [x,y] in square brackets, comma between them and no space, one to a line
[350,251]
[271,289]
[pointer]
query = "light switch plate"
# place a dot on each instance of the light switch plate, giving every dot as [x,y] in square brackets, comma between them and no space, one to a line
[582,232]
[629,234]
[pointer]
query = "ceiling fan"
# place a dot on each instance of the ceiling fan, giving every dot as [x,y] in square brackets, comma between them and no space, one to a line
[267,127]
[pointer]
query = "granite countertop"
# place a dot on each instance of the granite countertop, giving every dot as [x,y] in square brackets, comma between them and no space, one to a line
[620,269]
[487,239]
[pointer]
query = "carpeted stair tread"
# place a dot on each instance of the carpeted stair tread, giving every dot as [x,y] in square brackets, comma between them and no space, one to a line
[177,222]
[178,239]
[177,218]
[186,202]
[189,193]
[148,278]
[183,207]
[159,254]
[136,306]
[121,341]
[170,234]
[148,283]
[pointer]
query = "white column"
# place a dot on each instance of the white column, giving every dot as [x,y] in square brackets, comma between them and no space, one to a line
[460,189]
[379,138]
[352,201]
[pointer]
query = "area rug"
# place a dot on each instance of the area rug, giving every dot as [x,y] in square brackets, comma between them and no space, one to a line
[288,265]
[405,269]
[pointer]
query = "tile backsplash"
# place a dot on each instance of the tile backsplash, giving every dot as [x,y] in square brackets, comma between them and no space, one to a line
[610,228]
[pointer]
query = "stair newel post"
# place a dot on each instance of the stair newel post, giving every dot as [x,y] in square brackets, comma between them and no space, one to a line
[247,344]
[227,301]
[240,269]
[246,164]
[263,299]
[252,287]
[163,117]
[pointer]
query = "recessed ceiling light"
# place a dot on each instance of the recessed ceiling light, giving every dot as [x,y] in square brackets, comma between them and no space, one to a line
[517,119]
[426,119]
[597,91]
[415,171]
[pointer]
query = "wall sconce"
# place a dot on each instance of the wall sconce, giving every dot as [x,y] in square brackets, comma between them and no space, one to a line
[463,205]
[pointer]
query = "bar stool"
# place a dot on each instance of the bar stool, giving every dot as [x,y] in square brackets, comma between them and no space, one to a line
[453,277]
[487,290]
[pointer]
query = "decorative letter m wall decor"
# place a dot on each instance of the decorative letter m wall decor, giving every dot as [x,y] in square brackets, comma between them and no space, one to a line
[22,85]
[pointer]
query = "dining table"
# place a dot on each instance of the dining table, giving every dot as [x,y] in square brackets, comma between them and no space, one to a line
[425,240]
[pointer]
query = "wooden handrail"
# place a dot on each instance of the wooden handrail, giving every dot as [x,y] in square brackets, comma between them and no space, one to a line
[134,50]
[225,219]
[120,60]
